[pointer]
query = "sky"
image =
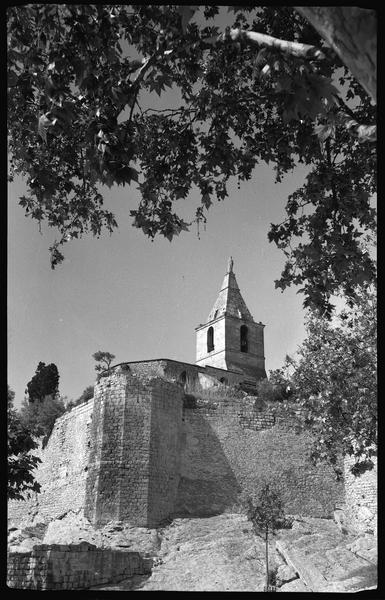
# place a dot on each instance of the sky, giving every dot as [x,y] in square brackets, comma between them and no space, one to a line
[140,299]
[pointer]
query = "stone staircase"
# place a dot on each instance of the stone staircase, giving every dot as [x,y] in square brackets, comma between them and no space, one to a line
[325,560]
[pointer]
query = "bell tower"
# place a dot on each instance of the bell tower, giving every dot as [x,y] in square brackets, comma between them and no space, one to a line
[231,339]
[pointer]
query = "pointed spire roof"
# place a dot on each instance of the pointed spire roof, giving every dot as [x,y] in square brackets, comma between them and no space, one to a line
[230,301]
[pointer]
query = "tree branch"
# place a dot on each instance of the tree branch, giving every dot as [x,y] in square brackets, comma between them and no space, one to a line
[263,40]
[149,62]
[344,107]
[364,133]
[352,33]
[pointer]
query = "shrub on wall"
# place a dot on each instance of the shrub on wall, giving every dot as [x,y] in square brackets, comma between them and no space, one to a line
[210,397]
[40,417]
[275,389]
[87,394]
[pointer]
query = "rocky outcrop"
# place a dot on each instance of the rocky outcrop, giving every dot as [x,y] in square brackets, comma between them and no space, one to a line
[221,553]
[327,559]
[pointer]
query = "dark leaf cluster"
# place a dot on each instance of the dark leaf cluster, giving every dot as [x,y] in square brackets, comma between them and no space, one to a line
[267,512]
[44,383]
[21,463]
[40,417]
[79,80]
[86,395]
[103,360]
[333,381]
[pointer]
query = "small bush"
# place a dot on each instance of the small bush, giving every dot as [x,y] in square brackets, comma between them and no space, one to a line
[40,416]
[87,394]
[21,463]
[217,392]
[271,391]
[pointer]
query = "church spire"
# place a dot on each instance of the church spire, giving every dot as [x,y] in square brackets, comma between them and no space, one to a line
[230,339]
[230,301]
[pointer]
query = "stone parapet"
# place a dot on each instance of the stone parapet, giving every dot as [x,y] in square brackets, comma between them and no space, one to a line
[69,567]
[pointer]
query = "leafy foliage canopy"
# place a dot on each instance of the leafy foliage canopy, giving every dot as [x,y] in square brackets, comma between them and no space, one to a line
[44,383]
[40,417]
[87,394]
[333,381]
[21,463]
[267,514]
[79,77]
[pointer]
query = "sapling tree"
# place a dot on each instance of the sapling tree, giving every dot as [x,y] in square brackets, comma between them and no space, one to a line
[103,360]
[87,394]
[266,515]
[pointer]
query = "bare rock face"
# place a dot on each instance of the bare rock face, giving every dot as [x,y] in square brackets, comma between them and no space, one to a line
[19,542]
[365,547]
[23,540]
[326,558]
[121,536]
[297,585]
[285,574]
[72,528]
[209,554]
[222,553]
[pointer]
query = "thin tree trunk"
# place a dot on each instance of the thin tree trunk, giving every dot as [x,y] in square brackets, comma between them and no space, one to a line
[272,553]
[352,33]
[267,560]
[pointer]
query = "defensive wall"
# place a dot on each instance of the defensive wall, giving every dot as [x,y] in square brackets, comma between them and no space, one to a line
[63,470]
[78,566]
[360,502]
[189,375]
[144,451]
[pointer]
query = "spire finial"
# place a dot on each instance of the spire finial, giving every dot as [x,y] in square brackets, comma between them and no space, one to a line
[230,265]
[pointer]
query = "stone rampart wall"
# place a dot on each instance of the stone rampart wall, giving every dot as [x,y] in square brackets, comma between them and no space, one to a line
[69,567]
[361,497]
[62,473]
[140,452]
[135,449]
[117,486]
[229,447]
[165,450]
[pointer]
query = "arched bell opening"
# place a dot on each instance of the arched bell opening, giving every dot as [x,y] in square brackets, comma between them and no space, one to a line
[210,339]
[244,339]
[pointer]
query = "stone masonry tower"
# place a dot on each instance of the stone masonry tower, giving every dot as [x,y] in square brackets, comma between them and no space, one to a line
[230,339]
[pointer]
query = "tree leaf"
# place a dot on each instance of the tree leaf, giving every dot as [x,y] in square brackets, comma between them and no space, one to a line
[186,13]
[43,125]
[323,131]
[206,200]
[12,78]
